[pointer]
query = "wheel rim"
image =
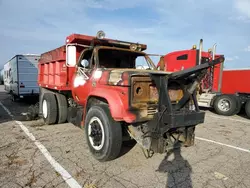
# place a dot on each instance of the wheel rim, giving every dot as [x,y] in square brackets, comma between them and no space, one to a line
[96,133]
[45,109]
[224,105]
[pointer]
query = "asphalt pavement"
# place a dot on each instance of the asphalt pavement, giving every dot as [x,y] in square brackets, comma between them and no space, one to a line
[36,155]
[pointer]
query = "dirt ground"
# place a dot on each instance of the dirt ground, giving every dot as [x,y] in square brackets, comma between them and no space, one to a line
[219,158]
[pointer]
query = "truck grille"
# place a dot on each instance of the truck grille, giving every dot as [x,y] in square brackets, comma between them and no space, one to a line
[151,111]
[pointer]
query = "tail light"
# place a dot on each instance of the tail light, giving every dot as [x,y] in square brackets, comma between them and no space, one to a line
[22,85]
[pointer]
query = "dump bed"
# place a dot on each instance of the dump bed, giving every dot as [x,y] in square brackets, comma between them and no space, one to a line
[53,72]
[236,81]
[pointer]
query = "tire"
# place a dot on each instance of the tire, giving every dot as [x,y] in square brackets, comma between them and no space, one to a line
[62,108]
[49,108]
[239,105]
[226,105]
[247,108]
[13,97]
[111,140]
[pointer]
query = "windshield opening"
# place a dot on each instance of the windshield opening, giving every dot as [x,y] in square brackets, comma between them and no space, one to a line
[115,58]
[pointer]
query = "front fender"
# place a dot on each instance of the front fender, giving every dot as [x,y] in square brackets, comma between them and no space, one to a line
[118,100]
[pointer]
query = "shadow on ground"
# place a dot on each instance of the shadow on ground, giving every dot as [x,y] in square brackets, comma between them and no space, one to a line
[20,109]
[177,169]
[127,146]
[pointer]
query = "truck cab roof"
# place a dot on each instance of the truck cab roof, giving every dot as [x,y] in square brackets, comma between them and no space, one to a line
[93,40]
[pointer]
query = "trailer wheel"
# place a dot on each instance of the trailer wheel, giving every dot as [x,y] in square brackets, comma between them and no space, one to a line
[226,105]
[103,134]
[49,108]
[62,108]
[247,108]
[14,97]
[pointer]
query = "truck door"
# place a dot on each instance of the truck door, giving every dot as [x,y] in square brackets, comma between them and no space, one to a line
[82,80]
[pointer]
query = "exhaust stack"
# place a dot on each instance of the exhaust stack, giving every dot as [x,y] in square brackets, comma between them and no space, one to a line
[200,50]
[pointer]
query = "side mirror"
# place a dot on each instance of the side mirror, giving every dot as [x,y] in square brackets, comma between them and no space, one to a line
[85,63]
[162,65]
[70,56]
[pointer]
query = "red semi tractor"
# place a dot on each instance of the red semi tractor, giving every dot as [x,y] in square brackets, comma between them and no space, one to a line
[227,91]
[93,83]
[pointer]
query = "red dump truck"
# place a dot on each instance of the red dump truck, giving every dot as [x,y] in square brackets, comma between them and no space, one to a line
[93,83]
[227,91]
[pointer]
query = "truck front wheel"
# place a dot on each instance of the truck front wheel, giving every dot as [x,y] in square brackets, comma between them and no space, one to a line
[247,108]
[49,108]
[103,134]
[226,105]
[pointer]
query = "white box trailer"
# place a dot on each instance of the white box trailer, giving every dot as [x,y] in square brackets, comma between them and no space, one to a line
[1,77]
[20,76]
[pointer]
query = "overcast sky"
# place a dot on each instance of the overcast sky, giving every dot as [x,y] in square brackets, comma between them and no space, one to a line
[36,26]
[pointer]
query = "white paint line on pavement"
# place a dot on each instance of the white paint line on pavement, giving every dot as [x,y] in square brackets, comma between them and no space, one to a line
[231,119]
[227,145]
[8,112]
[65,175]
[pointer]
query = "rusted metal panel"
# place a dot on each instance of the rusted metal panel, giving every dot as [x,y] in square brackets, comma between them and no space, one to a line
[144,96]
[144,90]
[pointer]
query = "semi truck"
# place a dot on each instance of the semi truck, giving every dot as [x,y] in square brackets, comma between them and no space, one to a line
[92,82]
[20,76]
[225,91]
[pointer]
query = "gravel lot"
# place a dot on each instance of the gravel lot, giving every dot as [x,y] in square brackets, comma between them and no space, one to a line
[219,158]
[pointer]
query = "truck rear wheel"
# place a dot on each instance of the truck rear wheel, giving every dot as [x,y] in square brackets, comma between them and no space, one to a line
[49,108]
[226,105]
[62,108]
[103,134]
[247,108]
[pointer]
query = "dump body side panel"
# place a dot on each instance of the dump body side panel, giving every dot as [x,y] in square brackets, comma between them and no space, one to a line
[236,81]
[53,72]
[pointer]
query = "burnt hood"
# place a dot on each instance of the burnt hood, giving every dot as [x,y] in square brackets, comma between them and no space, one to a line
[122,77]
